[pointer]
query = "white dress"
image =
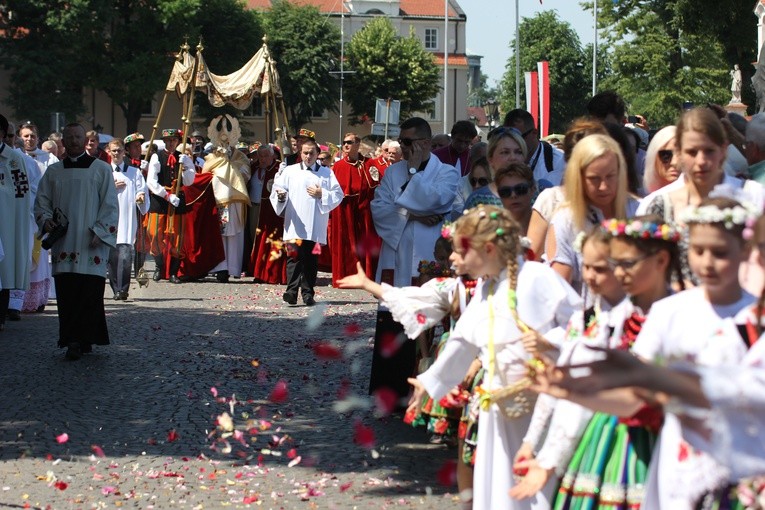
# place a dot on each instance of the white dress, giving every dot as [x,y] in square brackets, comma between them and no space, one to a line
[687,327]
[545,302]
[134,184]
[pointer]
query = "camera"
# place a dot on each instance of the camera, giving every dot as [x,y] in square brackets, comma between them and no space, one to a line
[633,119]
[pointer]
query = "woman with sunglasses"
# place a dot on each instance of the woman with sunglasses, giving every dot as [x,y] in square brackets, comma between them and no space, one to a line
[516,188]
[595,190]
[661,163]
[506,146]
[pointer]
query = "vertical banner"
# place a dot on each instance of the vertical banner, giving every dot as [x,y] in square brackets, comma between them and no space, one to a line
[544,98]
[532,95]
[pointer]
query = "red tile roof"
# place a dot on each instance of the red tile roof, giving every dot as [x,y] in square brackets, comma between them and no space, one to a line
[434,8]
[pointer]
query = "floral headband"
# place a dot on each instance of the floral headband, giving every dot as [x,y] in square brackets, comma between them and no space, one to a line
[729,217]
[641,230]
[447,230]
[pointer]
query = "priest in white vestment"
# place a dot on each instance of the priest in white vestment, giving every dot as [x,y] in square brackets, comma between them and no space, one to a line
[16,231]
[81,190]
[304,193]
[132,196]
[409,208]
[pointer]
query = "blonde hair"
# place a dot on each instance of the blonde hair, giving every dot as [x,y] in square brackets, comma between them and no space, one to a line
[589,149]
[502,133]
[490,224]
[659,140]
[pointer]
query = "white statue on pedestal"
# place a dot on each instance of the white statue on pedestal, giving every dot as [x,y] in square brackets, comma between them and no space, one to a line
[735,86]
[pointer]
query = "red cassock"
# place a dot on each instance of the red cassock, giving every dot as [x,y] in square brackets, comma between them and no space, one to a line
[351,239]
[267,260]
[202,242]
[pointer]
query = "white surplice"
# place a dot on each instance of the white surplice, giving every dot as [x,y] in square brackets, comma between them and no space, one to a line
[545,302]
[88,198]
[16,228]
[134,184]
[306,217]
[407,242]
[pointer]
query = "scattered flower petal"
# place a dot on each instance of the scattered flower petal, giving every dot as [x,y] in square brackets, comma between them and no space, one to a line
[279,394]
[62,438]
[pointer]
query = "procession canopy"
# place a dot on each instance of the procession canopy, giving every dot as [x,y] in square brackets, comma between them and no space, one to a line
[257,77]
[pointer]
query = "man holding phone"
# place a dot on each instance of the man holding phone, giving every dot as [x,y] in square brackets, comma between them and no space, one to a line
[408,210]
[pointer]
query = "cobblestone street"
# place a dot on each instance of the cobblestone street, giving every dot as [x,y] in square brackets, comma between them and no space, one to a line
[133,424]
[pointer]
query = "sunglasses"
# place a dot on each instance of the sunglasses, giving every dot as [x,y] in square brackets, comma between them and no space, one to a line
[407,142]
[665,156]
[349,142]
[519,190]
[481,181]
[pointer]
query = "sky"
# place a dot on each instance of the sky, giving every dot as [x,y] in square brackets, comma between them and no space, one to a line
[491,27]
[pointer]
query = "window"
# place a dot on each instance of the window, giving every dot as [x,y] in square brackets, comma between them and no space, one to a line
[431,38]
[255,109]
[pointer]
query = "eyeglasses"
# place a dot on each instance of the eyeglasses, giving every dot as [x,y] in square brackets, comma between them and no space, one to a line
[527,132]
[500,131]
[409,141]
[627,264]
[481,181]
[349,142]
[665,156]
[519,190]
[323,158]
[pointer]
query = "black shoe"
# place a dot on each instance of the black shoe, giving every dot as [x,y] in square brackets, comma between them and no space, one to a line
[117,296]
[157,276]
[41,309]
[73,352]
[290,299]
[13,315]
[174,279]
[86,348]
[222,276]
[124,296]
[309,301]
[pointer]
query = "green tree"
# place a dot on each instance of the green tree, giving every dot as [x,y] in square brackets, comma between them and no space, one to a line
[657,63]
[546,37]
[231,34]
[306,48]
[386,65]
[481,94]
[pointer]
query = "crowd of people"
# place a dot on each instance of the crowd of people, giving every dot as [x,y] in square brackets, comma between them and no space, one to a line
[580,320]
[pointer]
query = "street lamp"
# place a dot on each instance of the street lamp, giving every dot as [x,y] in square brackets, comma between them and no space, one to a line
[491,109]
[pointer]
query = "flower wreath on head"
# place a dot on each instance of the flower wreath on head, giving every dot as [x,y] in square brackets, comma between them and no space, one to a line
[743,214]
[639,229]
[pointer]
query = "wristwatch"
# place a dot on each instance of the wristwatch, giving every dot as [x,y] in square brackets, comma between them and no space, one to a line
[412,170]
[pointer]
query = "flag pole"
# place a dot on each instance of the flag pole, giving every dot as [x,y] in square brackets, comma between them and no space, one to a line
[595,50]
[446,63]
[517,58]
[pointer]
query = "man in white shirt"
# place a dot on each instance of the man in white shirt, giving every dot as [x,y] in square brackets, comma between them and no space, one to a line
[546,161]
[305,193]
[414,197]
[29,138]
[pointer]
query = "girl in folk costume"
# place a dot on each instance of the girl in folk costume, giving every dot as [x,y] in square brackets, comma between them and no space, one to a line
[608,467]
[697,327]
[421,308]
[231,171]
[559,422]
[503,325]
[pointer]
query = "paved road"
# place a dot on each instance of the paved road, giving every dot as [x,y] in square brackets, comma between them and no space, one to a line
[144,417]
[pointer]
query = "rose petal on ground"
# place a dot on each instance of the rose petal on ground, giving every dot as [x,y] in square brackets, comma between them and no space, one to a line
[294,462]
[351,329]
[97,450]
[61,485]
[108,490]
[344,487]
[172,435]
[214,391]
[62,438]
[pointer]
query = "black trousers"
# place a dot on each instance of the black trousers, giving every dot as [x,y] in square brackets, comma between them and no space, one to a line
[394,358]
[81,316]
[5,299]
[302,269]
[120,262]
